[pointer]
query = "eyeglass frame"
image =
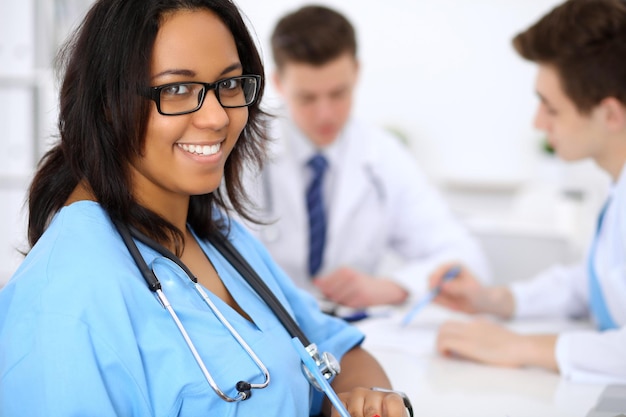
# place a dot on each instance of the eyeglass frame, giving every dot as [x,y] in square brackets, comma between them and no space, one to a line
[154,93]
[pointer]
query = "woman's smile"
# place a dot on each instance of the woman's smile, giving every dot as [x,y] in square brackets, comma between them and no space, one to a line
[201,150]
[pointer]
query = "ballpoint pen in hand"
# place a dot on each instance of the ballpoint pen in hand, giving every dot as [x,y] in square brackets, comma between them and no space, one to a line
[450,274]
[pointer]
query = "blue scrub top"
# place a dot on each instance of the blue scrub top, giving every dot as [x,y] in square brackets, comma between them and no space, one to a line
[82,335]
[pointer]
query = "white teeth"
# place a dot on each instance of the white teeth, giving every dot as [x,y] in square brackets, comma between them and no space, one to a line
[203,150]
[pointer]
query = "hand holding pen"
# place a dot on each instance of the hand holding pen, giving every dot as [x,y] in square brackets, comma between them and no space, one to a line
[450,273]
[465,293]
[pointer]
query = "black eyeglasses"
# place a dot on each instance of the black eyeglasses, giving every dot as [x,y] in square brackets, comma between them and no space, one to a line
[174,99]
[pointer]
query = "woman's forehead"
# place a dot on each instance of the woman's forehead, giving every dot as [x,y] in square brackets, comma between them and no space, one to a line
[196,41]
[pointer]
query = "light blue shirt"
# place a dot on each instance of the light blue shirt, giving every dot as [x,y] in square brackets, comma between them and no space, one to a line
[82,335]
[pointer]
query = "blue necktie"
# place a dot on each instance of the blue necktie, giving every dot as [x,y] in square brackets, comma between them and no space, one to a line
[597,305]
[317,214]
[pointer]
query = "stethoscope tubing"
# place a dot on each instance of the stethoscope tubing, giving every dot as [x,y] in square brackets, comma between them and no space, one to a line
[325,366]
[237,337]
[207,375]
[250,275]
[127,234]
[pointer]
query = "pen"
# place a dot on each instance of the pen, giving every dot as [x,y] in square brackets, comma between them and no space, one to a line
[351,315]
[356,316]
[364,314]
[450,274]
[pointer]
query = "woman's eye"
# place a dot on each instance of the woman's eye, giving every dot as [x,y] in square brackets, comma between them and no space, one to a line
[176,90]
[229,84]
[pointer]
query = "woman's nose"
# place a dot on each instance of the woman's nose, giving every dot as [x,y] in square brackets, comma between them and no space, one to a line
[211,114]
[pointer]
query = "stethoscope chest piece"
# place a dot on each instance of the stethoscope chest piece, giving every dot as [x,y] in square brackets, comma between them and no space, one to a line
[327,364]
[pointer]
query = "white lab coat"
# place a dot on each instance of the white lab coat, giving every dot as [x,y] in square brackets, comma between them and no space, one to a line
[589,356]
[379,203]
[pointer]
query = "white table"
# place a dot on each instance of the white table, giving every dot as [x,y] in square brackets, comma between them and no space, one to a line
[439,386]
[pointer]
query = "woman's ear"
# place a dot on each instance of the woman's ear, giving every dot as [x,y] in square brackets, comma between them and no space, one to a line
[614,114]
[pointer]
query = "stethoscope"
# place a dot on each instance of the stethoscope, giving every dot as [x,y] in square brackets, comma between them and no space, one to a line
[271,231]
[319,368]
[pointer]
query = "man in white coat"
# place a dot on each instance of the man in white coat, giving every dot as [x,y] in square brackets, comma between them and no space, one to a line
[371,198]
[580,49]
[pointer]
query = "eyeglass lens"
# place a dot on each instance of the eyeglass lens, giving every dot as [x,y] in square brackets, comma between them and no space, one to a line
[186,97]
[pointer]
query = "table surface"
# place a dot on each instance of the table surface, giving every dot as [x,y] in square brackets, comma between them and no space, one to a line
[439,386]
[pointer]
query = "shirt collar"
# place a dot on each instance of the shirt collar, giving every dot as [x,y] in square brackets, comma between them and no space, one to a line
[621,181]
[304,149]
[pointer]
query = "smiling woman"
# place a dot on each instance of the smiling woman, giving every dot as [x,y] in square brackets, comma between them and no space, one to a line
[130,201]
[190,46]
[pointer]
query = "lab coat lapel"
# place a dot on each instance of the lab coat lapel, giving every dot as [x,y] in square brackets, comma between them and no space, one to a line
[290,187]
[352,188]
[288,200]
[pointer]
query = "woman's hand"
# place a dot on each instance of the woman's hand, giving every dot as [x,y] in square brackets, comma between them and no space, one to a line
[364,402]
[359,372]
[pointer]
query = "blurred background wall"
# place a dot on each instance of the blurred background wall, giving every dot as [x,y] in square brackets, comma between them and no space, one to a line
[442,75]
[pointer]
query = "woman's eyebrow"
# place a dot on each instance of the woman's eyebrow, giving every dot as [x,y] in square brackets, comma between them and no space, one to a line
[190,73]
[232,67]
[184,72]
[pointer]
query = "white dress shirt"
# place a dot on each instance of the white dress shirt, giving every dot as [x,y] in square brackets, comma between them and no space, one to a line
[378,203]
[591,356]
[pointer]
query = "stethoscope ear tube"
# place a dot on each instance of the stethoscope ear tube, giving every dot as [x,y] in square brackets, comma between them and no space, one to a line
[145,270]
[233,256]
[128,233]
[162,250]
[326,367]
